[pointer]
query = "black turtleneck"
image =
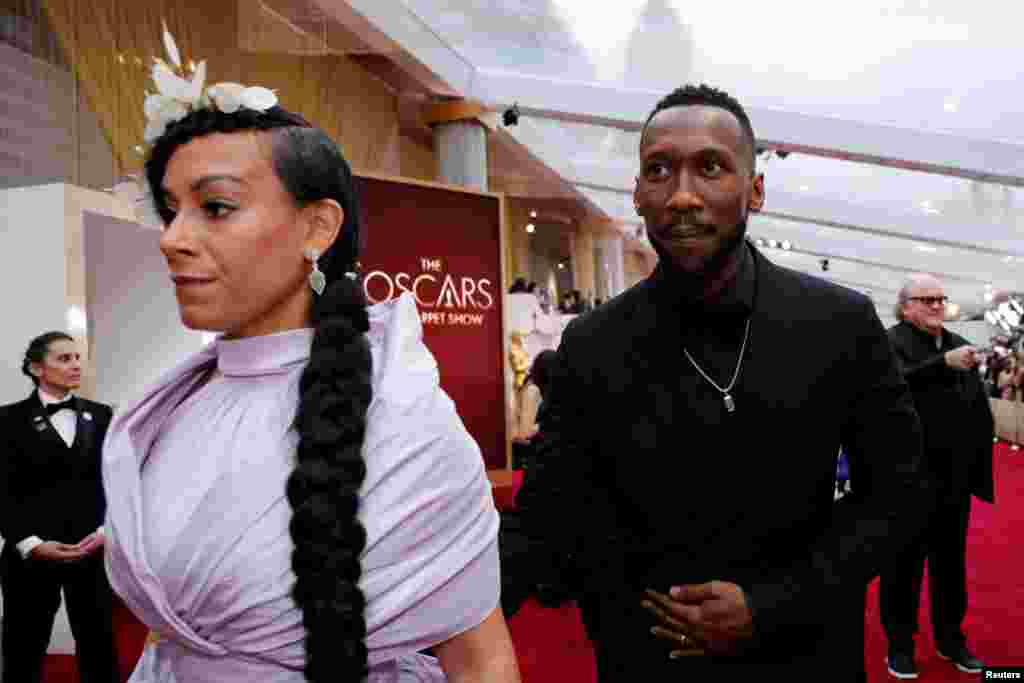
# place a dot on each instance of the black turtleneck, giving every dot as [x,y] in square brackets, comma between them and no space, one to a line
[685,291]
[711,328]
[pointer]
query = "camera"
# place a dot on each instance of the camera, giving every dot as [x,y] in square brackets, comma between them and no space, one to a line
[510,117]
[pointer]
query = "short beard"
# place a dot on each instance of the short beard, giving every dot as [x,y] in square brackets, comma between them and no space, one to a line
[716,263]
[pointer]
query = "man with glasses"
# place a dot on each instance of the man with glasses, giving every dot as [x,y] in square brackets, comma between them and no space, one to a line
[957,422]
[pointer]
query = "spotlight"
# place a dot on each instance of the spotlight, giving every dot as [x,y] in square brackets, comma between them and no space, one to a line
[530,228]
[511,116]
[824,264]
[561,266]
[787,245]
[772,243]
[533,214]
[77,320]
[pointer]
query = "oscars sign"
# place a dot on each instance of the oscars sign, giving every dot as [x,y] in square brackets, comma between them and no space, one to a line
[443,246]
[443,299]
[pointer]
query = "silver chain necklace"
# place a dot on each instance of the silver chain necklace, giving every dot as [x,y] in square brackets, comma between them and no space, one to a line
[730,404]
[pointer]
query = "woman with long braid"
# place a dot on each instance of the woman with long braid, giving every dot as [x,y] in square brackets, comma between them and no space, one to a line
[299,501]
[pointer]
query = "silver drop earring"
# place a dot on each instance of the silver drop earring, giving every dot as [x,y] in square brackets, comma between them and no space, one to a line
[317,280]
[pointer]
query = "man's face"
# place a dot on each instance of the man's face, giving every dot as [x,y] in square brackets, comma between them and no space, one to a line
[925,307]
[696,185]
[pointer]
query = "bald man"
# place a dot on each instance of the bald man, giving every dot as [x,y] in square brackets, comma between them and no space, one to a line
[957,422]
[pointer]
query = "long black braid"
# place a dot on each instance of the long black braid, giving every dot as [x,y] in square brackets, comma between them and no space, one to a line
[335,392]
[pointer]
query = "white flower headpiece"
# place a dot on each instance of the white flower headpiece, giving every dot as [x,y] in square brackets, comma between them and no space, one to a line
[178,96]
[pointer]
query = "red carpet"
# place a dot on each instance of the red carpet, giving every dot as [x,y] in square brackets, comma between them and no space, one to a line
[552,647]
[995,585]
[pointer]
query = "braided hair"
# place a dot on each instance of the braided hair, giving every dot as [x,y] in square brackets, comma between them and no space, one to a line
[37,350]
[335,392]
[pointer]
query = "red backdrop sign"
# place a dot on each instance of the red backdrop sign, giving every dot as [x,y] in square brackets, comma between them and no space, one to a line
[444,247]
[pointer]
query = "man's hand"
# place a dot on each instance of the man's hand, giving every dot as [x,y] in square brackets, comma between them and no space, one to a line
[51,551]
[710,617]
[963,358]
[90,544]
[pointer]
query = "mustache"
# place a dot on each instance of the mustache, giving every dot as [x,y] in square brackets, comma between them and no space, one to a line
[687,227]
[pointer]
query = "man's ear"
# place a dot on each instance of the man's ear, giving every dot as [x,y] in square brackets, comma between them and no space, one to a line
[756,202]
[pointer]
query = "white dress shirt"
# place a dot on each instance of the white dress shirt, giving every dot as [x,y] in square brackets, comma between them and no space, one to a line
[64,421]
[66,424]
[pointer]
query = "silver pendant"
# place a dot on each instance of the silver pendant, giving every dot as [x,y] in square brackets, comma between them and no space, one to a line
[730,405]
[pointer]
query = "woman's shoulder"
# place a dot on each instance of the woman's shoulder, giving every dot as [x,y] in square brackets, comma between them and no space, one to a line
[403,366]
[410,413]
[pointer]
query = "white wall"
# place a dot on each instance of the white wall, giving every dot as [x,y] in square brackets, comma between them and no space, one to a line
[33,277]
[133,316]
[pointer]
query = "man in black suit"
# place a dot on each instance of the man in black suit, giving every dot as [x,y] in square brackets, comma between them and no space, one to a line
[958,429]
[51,516]
[688,450]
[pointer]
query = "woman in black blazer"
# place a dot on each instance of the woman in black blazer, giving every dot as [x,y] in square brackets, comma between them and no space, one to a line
[51,517]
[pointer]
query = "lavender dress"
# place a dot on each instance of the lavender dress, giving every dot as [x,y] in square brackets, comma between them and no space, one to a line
[197,522]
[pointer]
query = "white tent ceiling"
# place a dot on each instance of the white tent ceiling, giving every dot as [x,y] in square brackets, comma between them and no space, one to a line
[903,121]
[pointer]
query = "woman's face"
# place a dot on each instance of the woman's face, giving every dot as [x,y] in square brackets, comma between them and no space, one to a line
[235,243]
[61,369]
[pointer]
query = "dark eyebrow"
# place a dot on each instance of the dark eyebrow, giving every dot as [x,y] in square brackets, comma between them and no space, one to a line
[210,179]
[199,184]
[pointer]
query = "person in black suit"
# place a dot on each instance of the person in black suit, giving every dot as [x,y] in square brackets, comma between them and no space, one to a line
[688,443]
[51,516]
[958,430]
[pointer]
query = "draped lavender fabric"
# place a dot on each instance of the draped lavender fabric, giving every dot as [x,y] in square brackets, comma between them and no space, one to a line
[197,522]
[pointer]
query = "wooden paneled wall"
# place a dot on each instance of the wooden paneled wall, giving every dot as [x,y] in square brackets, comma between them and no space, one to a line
[110,45]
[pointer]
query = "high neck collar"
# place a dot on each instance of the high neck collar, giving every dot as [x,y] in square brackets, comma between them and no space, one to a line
[735,297]
[270,354]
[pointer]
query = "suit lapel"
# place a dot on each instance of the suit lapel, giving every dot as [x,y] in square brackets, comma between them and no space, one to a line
[761,370]
[85,429]
[44,429]
[41,426]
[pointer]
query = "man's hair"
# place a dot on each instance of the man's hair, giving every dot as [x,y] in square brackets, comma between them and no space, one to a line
[705,95]
[903,296]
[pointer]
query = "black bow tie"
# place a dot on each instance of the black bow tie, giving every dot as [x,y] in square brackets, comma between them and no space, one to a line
[52,408]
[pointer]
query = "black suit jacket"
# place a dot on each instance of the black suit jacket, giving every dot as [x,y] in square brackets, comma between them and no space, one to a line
[647,481]
[955,413]
[48,489]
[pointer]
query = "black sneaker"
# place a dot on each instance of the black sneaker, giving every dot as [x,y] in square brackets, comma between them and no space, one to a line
[901,665]
[962,659]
